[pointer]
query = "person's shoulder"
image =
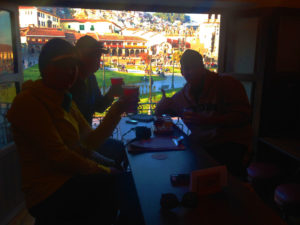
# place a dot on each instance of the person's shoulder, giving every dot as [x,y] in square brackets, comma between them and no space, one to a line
[23,104]
[24,97]
[227,79]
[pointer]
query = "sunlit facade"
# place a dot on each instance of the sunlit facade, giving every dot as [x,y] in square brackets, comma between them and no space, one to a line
[33,16]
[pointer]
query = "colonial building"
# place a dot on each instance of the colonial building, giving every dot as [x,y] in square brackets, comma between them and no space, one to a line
[37,37]
[32,40]
[124,45]
[33,16]
[101,26]
[209,33]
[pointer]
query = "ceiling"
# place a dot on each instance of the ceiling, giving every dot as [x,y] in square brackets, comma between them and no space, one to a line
[165,5]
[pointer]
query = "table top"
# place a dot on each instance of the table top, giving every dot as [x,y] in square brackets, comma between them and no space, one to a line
[288,146]
[236,204]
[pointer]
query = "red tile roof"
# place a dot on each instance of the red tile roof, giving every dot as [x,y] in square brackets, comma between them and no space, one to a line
[26,7]
[5,48]
[73,33]
[134,38]
[23,31]
[50,32]
[93,35]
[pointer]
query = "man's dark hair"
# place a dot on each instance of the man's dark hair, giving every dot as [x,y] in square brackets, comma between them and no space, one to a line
[88,42]
[191,57]
[52,49]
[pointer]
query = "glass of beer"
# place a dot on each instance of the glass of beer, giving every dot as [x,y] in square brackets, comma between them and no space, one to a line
[132,92]
[117,82]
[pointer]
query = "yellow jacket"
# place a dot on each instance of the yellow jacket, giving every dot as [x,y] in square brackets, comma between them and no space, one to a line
[53,144]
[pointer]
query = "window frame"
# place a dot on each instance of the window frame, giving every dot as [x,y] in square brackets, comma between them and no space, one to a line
[81,26]
[17,76]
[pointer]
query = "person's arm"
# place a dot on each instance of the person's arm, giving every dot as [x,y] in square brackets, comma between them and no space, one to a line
[92,139]
[30,118]
[236,106]
[101,102]
[165,106]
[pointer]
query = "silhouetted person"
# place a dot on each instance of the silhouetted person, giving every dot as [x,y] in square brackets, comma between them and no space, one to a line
[216,109]
[55,144]
[88,97]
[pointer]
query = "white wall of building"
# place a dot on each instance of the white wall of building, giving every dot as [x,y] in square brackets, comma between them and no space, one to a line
[28,16]
[44,17]
[99,27]
[33,16]
[205,34]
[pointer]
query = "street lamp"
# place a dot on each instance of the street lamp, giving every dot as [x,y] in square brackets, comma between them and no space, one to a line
[150,81]
[117,55]
[103,77]
[173,68]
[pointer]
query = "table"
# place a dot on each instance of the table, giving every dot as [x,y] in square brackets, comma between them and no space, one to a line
[287,146]
[237,204]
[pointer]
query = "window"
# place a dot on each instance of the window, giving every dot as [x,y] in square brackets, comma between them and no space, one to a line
[6,65]
[7,94]
[39,23]
[39,14]
[136,53]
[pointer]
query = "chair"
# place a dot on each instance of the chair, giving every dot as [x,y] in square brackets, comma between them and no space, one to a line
[264,177]
[287,198]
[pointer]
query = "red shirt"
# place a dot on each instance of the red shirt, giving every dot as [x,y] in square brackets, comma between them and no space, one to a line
[221,95]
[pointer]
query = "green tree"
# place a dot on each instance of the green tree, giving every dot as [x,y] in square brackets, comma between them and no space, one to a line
[172,17]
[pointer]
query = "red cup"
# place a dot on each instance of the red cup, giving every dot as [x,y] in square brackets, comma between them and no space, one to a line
[117,81]
[132,92]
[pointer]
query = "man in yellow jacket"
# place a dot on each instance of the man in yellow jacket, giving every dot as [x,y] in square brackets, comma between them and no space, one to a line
[55,143]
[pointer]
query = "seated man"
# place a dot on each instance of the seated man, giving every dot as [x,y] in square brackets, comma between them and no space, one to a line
[55,143]
[88,97]
[215,108]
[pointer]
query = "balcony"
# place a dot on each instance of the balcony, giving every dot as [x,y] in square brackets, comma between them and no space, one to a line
[136,46]
[113,46]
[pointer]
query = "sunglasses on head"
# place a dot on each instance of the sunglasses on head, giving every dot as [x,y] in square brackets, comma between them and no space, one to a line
[170,201]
